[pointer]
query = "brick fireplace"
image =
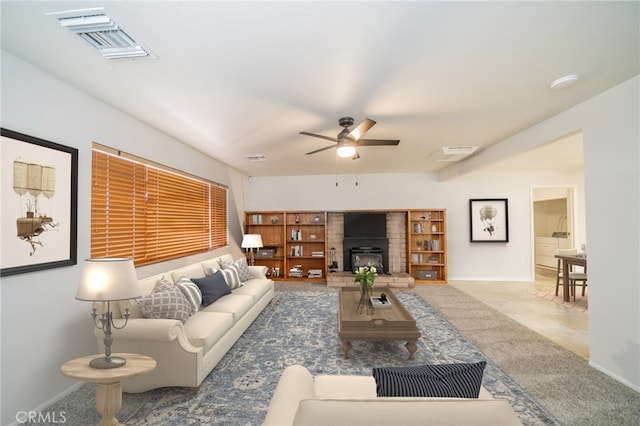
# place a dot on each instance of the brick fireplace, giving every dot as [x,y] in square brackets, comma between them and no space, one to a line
[395,245]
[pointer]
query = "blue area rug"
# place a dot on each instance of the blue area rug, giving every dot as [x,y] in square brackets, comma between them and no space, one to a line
[300,327]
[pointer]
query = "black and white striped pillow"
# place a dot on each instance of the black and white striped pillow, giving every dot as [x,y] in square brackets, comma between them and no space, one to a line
[191,292]
[230,275]
[440,380]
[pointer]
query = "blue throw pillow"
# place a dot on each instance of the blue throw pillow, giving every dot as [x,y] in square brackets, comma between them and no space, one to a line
[443,380]
[212,287]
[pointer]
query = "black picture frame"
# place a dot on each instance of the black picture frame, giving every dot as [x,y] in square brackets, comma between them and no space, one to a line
[39,190]
[489,220]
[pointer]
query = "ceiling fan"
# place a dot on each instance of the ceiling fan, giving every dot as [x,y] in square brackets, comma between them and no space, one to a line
[348,140]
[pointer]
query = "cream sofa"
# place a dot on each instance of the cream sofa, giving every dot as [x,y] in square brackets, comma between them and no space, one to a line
[187,352]
[299,399]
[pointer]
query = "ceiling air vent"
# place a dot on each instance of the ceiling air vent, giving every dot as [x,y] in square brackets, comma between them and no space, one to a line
[256,157]
[98,28]
[453,153]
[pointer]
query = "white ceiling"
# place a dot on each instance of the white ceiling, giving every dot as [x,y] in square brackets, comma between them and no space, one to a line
[242,78]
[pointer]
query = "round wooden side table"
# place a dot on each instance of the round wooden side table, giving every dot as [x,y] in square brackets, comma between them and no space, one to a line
[109,391]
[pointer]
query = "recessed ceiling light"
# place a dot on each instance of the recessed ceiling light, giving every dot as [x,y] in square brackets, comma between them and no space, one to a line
[563,82]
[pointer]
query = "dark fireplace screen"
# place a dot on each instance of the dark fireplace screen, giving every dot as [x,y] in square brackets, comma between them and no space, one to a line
[364,257]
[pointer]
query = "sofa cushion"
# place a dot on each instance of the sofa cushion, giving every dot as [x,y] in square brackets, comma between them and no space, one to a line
[438,380]
[409,412]
[191,291]
[234,304]
[255,288]
[212,287]
[192,271]
[205,328]
[167,302]
[240,265]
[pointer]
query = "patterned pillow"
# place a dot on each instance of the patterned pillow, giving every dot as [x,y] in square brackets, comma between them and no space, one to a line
[443,380]
[241,266]
[166,301]
[191,292]
[230,275]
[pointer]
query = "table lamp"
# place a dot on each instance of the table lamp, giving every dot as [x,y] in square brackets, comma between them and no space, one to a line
[108,280]
[251,241]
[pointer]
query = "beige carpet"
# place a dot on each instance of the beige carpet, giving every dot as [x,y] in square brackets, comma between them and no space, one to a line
[562,381]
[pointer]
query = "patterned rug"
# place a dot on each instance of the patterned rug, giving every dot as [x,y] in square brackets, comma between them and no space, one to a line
[300,327]
[581,303]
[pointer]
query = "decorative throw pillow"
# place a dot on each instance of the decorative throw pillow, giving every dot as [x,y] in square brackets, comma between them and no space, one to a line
[244,274]
[212,287]
[165,301]
[230,275]
[191,292]
[443,380]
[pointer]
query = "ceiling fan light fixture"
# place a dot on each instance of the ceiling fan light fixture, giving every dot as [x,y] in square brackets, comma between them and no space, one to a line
[345,149]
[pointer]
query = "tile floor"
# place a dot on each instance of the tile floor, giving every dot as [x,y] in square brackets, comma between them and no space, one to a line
[563,325]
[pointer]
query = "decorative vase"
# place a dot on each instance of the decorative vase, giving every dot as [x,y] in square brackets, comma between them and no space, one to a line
[365,299]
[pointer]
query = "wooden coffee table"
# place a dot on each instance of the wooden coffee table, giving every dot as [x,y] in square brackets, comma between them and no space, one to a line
[394,323]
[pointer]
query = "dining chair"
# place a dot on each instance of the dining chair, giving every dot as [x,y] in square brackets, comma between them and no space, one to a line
[578,279]
[575,278]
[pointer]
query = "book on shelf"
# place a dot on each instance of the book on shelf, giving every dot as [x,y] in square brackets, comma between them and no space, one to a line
[317,254]
[256,219]
[297,250]
[315,273]
[432,245]
[296,235]
[432,259]
[296,272]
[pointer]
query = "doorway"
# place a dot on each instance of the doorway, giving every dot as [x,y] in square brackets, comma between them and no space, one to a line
[553,223]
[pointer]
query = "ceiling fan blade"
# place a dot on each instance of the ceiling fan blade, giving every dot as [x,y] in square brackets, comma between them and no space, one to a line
[356,155]
[319,136]
[361,129]
[321,149]
[378,142]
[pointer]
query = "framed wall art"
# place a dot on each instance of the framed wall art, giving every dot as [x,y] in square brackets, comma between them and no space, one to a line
[489,220]
[38,218]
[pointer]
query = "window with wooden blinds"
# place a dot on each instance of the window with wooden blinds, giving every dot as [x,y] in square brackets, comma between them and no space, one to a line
[150,214]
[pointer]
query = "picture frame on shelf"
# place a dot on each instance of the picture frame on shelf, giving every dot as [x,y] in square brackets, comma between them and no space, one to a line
[40,204]
[489,220]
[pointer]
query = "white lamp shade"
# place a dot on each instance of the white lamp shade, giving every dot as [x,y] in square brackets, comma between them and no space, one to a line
[108,279]
[251,241]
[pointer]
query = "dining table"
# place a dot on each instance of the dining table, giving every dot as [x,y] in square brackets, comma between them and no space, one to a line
[569,260]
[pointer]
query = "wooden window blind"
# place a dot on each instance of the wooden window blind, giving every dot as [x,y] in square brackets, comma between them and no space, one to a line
[152,215]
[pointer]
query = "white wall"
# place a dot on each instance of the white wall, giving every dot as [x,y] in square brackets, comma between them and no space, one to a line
[53,326]
[511,261]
